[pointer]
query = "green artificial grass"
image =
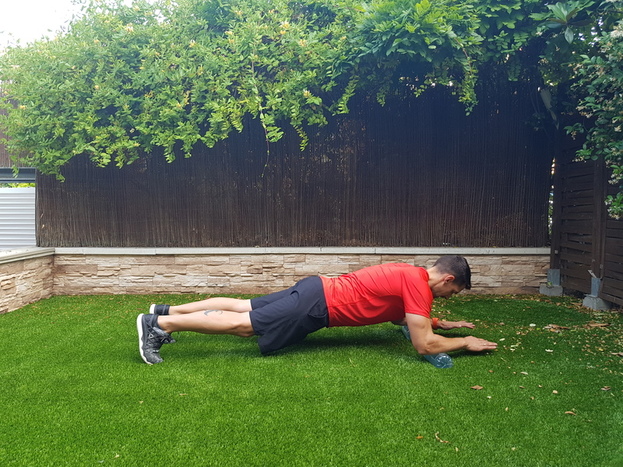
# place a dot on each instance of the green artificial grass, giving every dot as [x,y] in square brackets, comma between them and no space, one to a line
[75,391]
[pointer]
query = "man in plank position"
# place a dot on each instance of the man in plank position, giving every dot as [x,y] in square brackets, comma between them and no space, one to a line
[397,292]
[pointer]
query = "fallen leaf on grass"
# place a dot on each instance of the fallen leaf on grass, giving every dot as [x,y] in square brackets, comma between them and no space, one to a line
[593,324]
[477,388]
[568,412]
[419,437]
[618,354]
[439,439]
[606,388]
[555,327]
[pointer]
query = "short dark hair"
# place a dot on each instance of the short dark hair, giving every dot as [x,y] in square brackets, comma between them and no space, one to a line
[458,267]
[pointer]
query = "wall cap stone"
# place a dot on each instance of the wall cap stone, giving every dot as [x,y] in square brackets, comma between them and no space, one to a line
[11,256]
[303,250]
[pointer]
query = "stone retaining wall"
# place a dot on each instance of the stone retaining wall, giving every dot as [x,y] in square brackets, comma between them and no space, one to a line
[264,270]
[25,277]
[78,271]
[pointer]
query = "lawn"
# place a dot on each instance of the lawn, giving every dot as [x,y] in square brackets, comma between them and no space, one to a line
[75,391]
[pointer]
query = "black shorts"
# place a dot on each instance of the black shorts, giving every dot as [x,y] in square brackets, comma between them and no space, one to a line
[285,318]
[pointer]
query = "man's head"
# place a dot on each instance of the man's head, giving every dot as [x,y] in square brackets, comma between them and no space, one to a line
[449,275]
[458,267]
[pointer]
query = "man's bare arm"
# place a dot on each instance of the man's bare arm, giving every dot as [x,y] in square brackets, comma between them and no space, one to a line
[426,342]
[445,325]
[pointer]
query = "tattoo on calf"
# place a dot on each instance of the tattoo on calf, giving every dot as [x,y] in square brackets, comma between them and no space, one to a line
[207,312]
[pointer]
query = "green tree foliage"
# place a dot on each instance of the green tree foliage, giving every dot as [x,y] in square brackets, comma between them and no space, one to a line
[584,51]
[125,80]
[423,43]
[600,81]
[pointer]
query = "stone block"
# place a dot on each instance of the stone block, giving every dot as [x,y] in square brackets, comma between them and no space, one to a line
[7,283]
[103,261]
[294,258]
[9,269]
[76,270]
[329,269]
[227,269]
[319,259]
[419,261]
[72,259]
[210,260]
[255,269]
[137,280]
[138,271]
[105,271]
[38,263]
[551,290]
[595,303]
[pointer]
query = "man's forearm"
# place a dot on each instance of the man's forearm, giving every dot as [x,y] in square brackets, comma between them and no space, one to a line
[445,325]
[437,344]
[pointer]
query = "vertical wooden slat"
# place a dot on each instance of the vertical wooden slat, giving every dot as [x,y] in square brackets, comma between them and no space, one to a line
[600,216]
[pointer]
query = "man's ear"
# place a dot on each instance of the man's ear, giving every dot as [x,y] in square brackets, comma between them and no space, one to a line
[449,278]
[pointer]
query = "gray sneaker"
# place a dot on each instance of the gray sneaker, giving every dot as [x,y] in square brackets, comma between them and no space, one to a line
[160,310]
[150,338]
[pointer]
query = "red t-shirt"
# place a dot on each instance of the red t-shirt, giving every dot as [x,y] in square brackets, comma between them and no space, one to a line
[377,294]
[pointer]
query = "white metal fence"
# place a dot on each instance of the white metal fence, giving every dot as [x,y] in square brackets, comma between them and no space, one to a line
[17,218]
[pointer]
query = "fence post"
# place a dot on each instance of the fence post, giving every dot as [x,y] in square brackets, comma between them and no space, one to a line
[592,300]
[553,287]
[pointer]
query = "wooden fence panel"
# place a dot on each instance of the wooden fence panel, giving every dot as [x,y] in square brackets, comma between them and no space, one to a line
[612,289]
[589,241]
[417,172]
[576,225]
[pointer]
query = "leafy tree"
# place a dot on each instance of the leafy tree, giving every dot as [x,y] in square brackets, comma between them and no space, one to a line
[584,51]
[600,81]
[125,80]
[423,43]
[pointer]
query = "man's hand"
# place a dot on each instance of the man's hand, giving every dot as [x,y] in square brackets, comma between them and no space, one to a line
[474,344]
[454,325]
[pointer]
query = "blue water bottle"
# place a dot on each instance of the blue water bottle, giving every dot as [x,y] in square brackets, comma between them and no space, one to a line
[440,360]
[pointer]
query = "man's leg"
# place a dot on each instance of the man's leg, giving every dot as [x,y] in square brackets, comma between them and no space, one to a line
[208,322]
[216,303]
[154,330]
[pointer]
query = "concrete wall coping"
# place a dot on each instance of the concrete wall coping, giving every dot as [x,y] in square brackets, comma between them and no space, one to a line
[303,250]
[10,256]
